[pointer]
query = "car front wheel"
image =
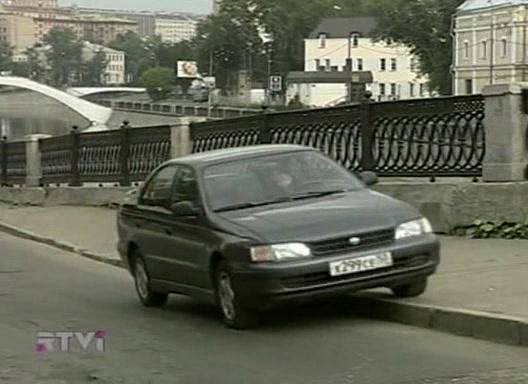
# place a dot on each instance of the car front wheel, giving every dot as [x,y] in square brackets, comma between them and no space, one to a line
[235,315]
[414,289]
[142,281]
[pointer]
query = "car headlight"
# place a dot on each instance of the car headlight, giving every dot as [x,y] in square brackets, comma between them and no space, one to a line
[413,228]
[279,252]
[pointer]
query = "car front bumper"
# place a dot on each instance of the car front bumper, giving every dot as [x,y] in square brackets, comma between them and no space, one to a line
[266,285]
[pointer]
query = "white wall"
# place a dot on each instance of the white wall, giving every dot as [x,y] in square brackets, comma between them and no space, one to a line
[370,53]
[317,95]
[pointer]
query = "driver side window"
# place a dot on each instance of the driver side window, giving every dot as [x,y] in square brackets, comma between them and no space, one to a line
[157,193]
[185,187]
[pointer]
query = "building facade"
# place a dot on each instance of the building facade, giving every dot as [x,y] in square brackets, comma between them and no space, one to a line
[114,73]
[174,29]
[17,31]
[34,3]
[347,44]
[490,44]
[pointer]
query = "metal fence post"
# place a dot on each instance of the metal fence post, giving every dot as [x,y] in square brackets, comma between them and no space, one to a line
[75,174]
[125,153]
[367,161]
[3,162]
[265,129]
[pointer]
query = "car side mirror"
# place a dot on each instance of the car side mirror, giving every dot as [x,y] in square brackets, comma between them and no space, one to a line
[369,178]
[184,208]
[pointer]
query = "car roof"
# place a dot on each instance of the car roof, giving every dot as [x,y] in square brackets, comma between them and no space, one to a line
[229,154]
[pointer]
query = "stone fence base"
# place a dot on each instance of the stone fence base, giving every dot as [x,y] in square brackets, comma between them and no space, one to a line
[446,204]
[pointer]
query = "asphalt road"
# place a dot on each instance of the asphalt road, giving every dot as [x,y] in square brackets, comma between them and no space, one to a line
[43,289]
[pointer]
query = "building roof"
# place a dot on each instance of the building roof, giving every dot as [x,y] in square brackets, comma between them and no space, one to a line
[339,27]
[473,5]
[298,77]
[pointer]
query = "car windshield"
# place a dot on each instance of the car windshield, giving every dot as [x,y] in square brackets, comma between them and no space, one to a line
[274,179]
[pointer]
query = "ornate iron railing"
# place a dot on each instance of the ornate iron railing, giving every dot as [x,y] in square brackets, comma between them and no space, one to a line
[124,155]
[12,162]
[429,137]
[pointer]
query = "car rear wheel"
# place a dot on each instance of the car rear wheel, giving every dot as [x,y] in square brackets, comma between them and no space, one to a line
[146,295]
[235,315]
[413,289]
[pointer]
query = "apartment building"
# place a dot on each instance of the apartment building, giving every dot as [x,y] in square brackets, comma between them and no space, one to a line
[17,31]
[347,44]
[490,44]
[114,73]
[175,28]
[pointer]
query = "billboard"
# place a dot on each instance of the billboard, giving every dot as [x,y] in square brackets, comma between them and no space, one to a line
[187,69]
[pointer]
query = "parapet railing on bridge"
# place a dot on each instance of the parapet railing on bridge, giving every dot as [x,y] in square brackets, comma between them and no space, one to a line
[213,112]
[428,137]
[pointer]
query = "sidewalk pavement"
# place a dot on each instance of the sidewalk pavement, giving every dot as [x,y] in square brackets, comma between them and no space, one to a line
[489,276]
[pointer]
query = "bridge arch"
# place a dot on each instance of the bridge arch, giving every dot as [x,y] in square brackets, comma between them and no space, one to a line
[96,114]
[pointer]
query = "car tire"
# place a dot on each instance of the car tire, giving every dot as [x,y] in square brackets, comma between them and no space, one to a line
[146,295]
[234,313]
[414,289]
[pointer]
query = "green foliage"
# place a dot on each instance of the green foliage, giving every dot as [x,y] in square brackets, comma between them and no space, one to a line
[64,55]
[94,69]
[481,229]
[159,82]
[425,26]
[6,55]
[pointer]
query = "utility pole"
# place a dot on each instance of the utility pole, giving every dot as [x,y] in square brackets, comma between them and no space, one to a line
[211,63]
[491,49]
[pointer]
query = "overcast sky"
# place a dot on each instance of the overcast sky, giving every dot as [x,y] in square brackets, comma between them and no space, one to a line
[196,6]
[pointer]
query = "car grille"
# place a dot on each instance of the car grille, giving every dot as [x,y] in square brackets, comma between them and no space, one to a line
[339,245]
[314,279]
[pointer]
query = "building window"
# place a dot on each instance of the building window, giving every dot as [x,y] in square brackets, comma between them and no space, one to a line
[334,68]
[349,65]
[422,90]
[355,40]
[413,64]
[411,89]
[484,49]
[382,89]
[359,64]
[393,89]
[504,47]
[383,64]
[322,40]
[466,49]
[469,86]
[394,65]
[327,64]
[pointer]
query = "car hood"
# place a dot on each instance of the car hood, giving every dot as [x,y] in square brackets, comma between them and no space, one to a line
[317,219]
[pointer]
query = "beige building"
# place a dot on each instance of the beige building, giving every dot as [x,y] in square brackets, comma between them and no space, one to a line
[347,44]
[173,29]
[490,44]
[34,3]
[17,31]
[115,67]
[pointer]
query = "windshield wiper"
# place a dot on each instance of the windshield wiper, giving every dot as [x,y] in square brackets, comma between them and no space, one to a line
[315,194]
[235,207]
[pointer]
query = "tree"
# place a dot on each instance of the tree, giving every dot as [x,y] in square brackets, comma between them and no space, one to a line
[425,26]
[94,70]
[139,55]
[6,54]
[159,82]
[64,55]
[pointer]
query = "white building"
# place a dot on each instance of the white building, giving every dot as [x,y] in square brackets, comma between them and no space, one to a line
[114,73]
[343,44]
[490,44]
[175,28]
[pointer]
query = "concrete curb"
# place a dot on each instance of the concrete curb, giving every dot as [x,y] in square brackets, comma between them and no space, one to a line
[482,325]
[28,235]
[497,328]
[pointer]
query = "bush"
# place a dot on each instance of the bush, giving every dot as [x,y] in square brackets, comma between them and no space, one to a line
[494,230]
[159,82]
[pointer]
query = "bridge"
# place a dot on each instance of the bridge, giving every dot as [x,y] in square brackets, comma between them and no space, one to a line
[101,91]
[96,115]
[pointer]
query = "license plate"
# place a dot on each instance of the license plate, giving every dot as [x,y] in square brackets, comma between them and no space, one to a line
[361,264]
